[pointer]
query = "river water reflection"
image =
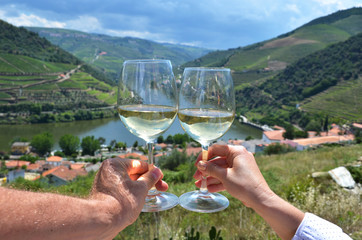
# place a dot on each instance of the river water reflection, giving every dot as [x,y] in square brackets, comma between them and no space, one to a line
[108,128]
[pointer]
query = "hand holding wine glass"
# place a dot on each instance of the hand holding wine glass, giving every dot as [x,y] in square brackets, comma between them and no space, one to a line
[147,106]
[206,112]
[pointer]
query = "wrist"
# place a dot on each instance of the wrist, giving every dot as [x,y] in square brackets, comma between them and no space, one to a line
[105,214]
[264,200]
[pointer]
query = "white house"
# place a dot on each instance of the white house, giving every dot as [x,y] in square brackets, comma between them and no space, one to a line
[54,160]
[273,136]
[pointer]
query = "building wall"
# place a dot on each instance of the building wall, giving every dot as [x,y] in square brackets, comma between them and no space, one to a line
[267,140]
[12,175]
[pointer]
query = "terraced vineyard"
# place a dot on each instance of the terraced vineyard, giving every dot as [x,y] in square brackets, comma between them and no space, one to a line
[55,88]
[343,101]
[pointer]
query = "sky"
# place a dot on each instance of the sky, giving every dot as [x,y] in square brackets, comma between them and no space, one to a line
[213,24]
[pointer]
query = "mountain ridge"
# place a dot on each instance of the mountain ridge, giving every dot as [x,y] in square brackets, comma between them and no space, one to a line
[108,52]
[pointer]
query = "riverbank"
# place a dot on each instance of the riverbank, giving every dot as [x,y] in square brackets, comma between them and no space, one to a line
[243,120]
[108,128]
[56,117]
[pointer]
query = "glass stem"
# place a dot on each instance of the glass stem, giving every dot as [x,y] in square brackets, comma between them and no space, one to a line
[203,188]
[153,190]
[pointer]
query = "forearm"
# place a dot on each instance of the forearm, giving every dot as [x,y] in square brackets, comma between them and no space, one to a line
[280,215]
[50,216]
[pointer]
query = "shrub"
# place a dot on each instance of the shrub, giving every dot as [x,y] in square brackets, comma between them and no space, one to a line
[277,148]
[172,161]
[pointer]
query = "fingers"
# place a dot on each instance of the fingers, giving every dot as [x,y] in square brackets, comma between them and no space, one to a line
[161,186]
[218,150]
[220,161]
[213,184]
[152,177]
[213,170]
[141,171]
[137,167]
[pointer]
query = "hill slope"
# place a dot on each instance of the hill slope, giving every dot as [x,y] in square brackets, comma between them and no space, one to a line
[33,72]
[328,81]
[108,53]
[262,60]
[279,73]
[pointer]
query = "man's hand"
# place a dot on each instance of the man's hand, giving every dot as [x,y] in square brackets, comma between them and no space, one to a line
[121,186]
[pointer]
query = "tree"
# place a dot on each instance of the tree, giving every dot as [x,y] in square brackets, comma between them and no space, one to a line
[135,144]
[121,145]
[69,144]
[325,125]
[160,139]
[112,144]
[90,145]
[101,140]
[289,132]
[169,139]
[42,143]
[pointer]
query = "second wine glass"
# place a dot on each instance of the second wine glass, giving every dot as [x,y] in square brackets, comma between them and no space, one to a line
[147,106]
[206,112]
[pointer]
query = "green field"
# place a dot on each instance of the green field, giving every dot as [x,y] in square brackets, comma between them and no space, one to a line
[18,63]
[342,101]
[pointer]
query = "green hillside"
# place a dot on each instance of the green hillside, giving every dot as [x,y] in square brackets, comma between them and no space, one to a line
[327,82]
[260,91]
[36,74]
[108,53]
[19,41]
[265,59]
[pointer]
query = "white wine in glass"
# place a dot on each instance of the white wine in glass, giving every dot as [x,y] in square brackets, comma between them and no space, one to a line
[147,106]
[206,112]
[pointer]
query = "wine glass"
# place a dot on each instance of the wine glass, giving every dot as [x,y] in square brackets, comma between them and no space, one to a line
[147,106]
[206,112]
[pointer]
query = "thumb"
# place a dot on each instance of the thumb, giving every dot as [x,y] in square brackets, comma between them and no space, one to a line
[213,170]
[151,177]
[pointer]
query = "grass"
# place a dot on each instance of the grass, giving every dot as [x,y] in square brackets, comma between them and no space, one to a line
[323,33]
[72,84]
[342,101]
[4,95]
[289,176]
[31,65]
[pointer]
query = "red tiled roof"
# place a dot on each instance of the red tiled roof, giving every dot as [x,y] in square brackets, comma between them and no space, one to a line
[193,151]
[68,174]
[235,142]
[162,145]
[15,163]
[274,135]
[357,125]
[54,159]
[161,154]
[33,166]
[77,165]
[50,171]
[134,156]
[278,127]
[321,140]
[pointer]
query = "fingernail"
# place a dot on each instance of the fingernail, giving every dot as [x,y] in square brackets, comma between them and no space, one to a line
[156,173]
[201,166]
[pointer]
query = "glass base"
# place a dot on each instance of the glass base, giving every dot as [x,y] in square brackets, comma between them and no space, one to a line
[160,202]
[203,202]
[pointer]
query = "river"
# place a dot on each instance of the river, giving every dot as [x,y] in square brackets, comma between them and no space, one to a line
[108,128]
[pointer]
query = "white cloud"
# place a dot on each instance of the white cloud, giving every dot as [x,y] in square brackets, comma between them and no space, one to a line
[85,23]
[293,8]
[136,34]
[30,20]
[338,4]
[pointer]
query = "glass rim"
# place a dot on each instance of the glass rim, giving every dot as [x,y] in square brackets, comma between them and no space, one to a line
[147,61]
[208,68]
